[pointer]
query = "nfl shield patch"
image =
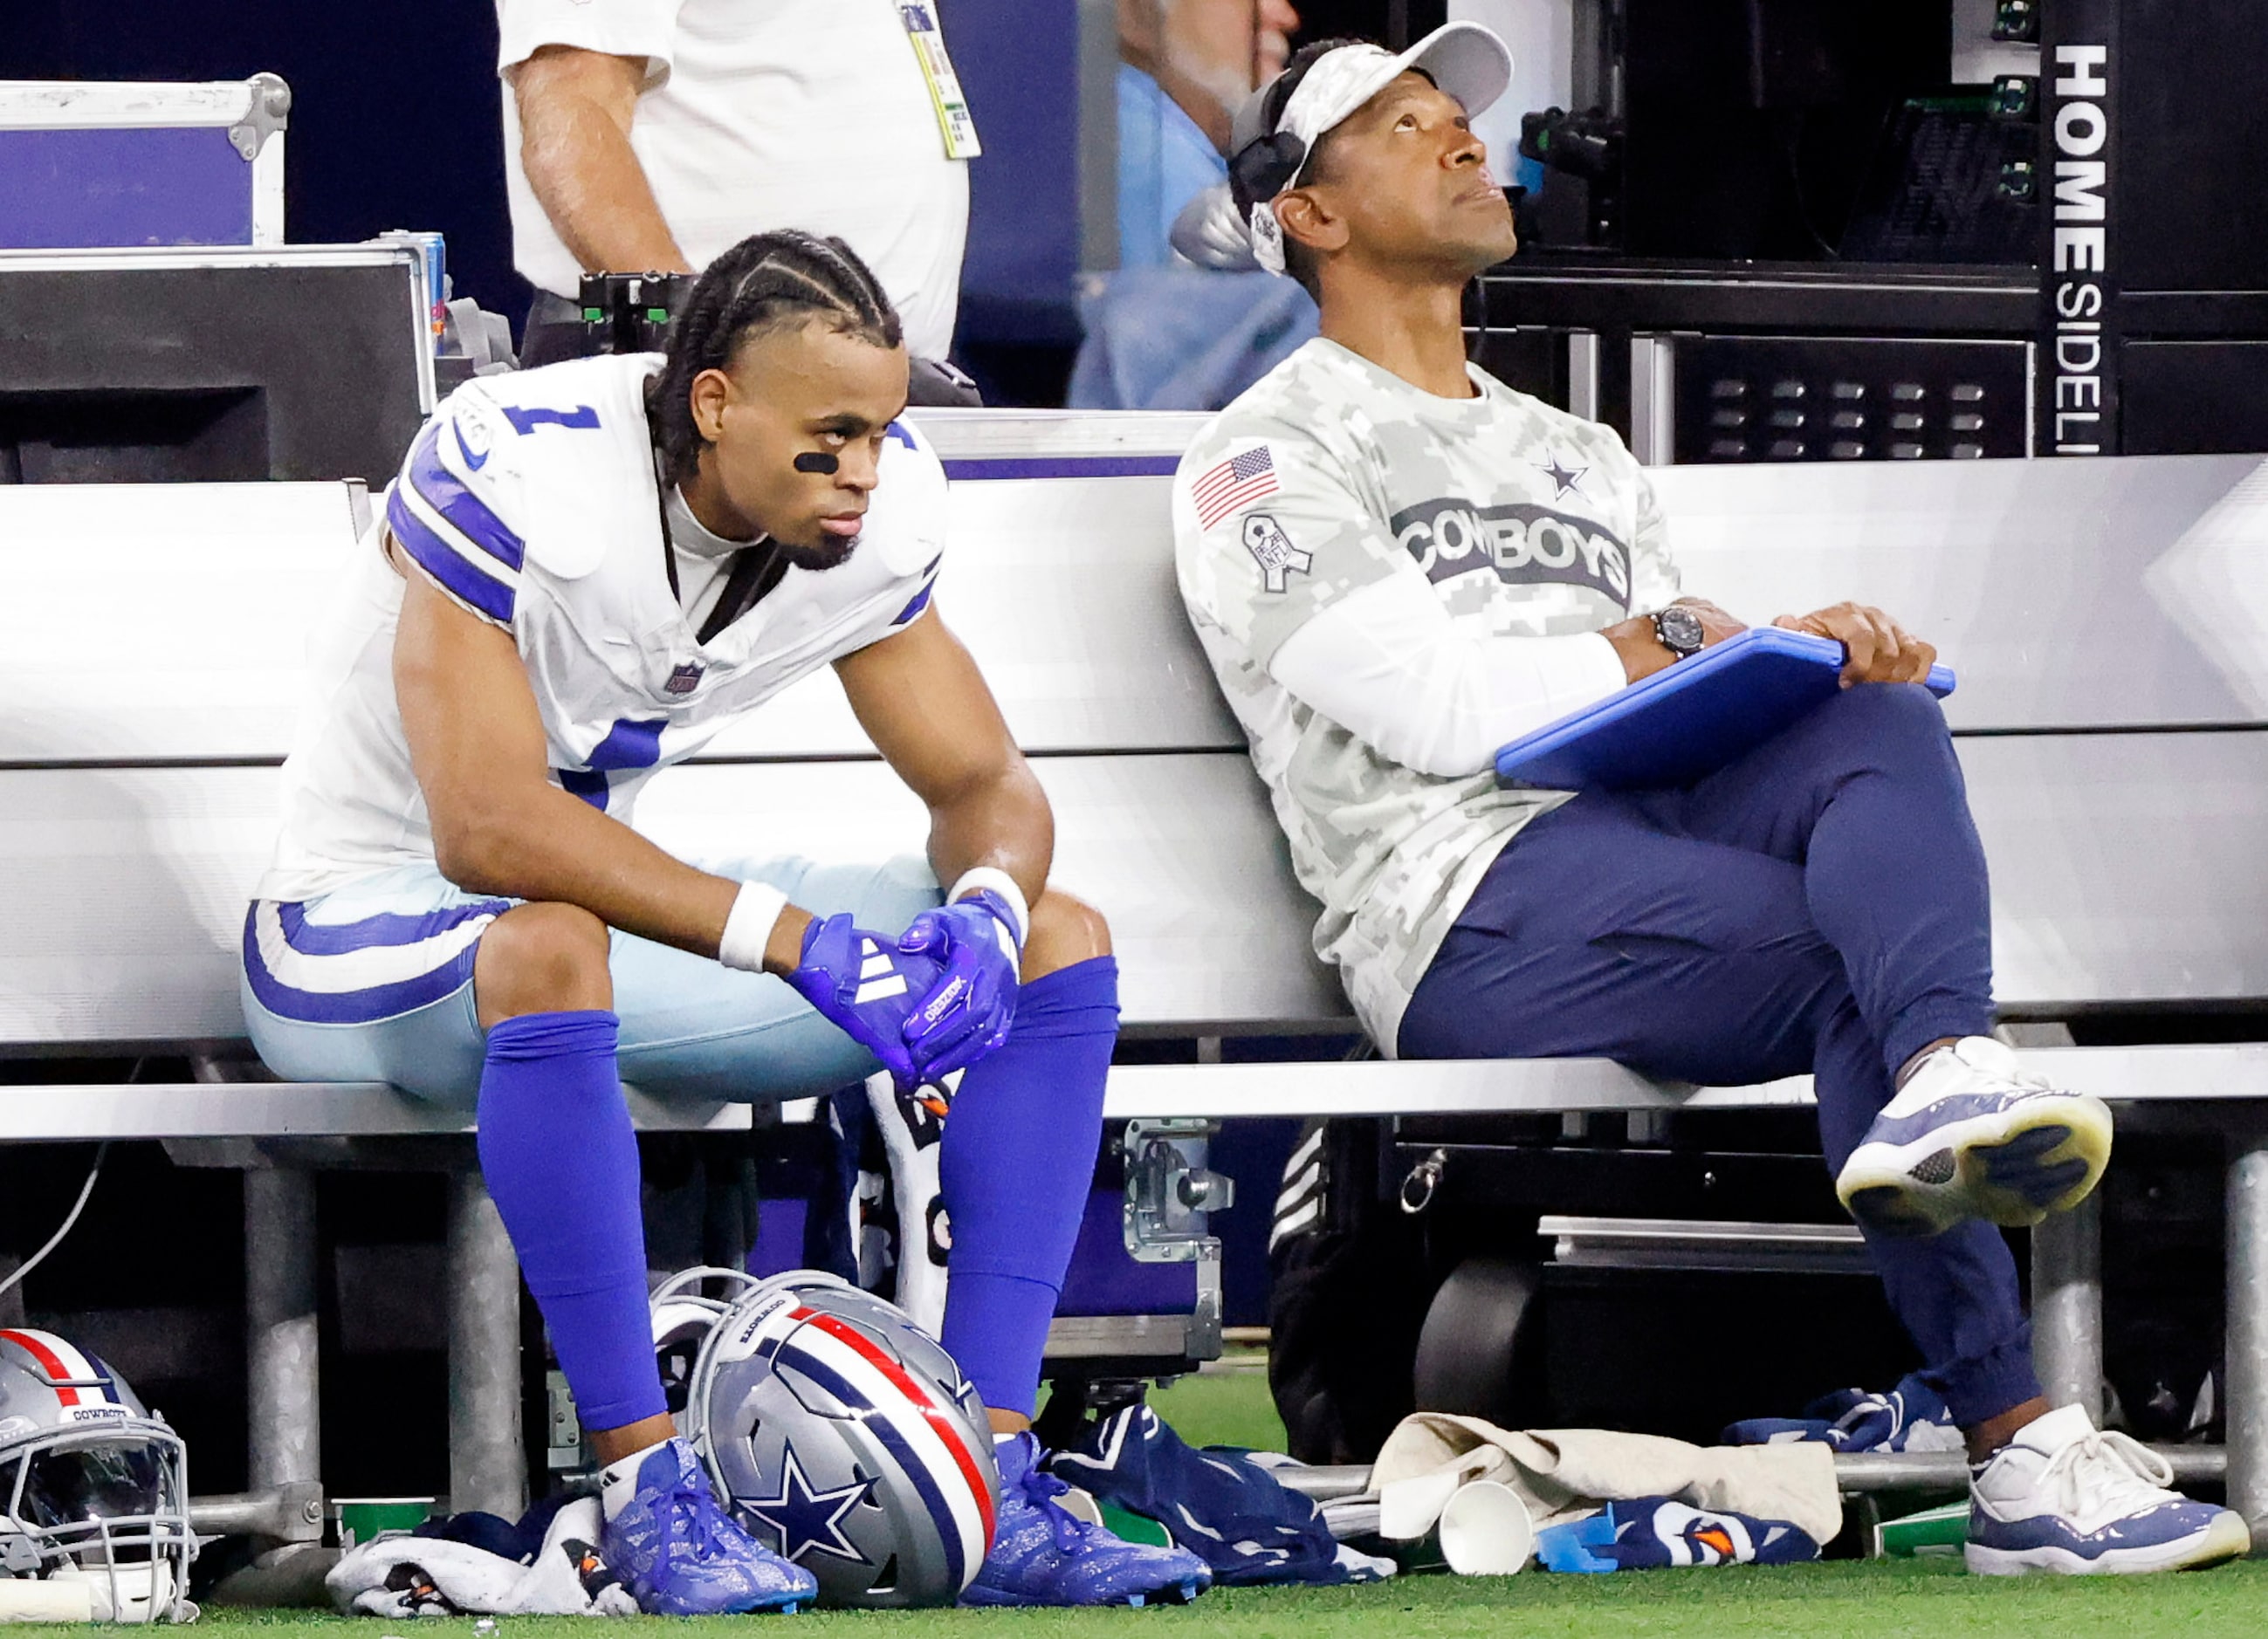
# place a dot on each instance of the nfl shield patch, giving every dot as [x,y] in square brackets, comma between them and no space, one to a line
[684,679]
[1272,549]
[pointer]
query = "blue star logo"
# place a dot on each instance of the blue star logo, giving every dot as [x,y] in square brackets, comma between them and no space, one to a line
[805,1520]
[1566,477]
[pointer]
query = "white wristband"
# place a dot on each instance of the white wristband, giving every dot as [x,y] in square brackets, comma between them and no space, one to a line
[1001,883]
[749,926]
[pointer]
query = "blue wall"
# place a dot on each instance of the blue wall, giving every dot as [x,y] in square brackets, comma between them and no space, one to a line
[1018,62]
[394,118]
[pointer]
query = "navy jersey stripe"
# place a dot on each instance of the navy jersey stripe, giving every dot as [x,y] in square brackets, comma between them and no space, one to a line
[920,602]
[469,584]
[588,784]
[632,742]
[447,494]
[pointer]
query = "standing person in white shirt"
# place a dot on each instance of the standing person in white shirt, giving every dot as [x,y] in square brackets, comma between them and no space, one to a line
[650,135]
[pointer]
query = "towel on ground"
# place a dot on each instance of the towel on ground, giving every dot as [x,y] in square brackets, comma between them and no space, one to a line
[546,1565]
[1563,1473]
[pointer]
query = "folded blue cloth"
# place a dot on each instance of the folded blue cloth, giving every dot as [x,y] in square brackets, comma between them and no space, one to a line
[520,1540]
[1217,1502]
[1911,1417]
[1649,1533]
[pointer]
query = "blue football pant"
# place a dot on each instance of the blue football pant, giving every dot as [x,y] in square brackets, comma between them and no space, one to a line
[1820,906]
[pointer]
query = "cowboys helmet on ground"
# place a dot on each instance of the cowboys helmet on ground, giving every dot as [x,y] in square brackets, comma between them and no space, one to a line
[839,1434]
[94,1487]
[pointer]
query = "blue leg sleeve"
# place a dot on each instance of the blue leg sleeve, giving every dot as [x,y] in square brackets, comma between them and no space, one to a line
[1017,1163]
[561,1163]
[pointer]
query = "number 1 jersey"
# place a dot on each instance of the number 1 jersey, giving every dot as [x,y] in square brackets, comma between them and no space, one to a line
[531,500]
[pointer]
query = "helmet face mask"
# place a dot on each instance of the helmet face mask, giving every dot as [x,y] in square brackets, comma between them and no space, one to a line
[843,1437]
[93,1488]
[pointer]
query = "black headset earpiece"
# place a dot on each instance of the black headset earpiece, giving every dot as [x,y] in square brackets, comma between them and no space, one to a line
[1264,167]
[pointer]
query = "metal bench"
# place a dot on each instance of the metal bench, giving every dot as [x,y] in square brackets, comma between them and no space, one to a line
[2121,804]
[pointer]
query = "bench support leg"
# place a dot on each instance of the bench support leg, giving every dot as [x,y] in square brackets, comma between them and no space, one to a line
[2067,1306]
[487,1464]
[2247,1334]
[283,1381]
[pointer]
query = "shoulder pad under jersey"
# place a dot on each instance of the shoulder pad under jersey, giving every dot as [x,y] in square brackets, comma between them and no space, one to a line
[905,521]
[571,447]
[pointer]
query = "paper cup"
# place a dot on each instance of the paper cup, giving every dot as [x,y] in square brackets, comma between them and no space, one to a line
[1485,1529]
[361,1517]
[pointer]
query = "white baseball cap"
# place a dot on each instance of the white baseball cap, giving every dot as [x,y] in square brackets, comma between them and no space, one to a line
[1272,137]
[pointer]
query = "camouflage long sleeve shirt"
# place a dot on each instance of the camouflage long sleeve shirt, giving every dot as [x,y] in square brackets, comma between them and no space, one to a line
[1328,478]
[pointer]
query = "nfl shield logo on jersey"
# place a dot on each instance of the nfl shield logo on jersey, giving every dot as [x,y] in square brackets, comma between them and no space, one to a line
[684,679]
[1272,549]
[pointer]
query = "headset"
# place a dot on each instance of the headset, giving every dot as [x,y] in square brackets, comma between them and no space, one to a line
[1266,166]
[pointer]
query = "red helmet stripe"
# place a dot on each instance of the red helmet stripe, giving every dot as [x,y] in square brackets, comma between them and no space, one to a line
[947,1428]
[36,1345]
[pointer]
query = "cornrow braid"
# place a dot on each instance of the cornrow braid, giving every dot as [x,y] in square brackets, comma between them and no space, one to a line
[767,282]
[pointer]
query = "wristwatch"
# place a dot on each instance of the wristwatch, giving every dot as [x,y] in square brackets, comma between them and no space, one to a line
[1679,630]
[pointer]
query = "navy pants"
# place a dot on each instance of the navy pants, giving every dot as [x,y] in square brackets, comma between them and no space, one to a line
[1818,905]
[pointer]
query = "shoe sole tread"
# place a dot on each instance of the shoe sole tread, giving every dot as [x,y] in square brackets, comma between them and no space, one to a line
[2012,1169]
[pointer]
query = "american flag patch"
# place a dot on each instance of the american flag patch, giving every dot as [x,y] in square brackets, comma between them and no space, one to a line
[1237,482]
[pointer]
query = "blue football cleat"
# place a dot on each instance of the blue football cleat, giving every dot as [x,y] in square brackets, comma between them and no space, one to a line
[1970,1135]
[680,1554]
[2061,1498]
[1041,1554]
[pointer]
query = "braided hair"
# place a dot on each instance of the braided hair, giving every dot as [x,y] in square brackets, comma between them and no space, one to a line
[767,282]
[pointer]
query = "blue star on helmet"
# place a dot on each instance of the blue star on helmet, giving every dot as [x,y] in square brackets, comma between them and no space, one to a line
[805,1521]
[1566,477]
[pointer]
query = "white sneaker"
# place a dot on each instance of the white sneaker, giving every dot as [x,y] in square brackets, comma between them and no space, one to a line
[2063,1497]
[1970,1135]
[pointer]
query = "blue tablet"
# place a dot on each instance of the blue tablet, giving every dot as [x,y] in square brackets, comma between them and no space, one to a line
[1687,720]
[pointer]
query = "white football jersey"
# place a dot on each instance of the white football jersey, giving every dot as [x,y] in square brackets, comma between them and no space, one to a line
[531,499]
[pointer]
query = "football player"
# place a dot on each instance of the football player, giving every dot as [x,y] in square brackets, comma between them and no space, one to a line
[582,574]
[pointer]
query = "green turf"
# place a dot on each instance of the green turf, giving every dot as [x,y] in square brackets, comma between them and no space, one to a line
[1920,1599]
[1222,1408]
[1929,1599]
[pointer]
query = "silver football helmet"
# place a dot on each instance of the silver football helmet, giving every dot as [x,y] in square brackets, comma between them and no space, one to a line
[839,1434]
[93,1487]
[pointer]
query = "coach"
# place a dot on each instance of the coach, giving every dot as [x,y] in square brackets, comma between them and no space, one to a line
[1398,564]
[650,135]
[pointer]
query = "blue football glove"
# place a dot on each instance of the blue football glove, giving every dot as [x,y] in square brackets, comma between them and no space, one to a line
[867,986]
[966,1014]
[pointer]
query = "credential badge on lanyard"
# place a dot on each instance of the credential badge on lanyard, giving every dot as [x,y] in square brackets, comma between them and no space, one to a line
[952,117]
